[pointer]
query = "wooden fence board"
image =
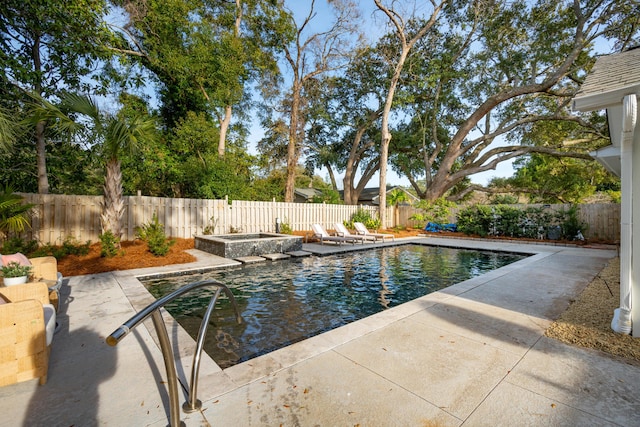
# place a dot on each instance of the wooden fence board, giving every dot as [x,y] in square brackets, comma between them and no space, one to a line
[57,217]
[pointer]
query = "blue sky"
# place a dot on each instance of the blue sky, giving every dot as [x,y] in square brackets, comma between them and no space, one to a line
[374,26]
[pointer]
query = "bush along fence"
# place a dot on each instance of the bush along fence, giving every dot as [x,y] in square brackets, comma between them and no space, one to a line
[537,221]
[58,218]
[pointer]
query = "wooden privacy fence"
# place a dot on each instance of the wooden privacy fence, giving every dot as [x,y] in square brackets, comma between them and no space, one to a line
[59,217]
[603,219]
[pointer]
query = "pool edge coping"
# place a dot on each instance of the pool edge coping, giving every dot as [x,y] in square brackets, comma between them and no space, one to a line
[221,381]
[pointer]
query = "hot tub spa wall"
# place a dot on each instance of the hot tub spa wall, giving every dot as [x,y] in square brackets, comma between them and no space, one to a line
[238,245]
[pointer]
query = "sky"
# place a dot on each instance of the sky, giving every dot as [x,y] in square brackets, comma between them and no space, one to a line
[374,26]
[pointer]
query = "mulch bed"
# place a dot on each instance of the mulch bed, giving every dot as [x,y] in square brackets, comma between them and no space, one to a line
[134,254]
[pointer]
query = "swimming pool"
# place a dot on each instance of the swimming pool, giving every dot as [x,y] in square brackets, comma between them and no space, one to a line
[287,301]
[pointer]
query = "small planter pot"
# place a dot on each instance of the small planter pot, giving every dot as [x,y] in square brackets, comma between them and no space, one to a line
[10,281]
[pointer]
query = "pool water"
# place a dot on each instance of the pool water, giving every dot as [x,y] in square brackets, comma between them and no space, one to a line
[285,302]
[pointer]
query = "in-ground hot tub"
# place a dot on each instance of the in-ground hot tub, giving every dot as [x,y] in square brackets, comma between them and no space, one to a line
[241,245]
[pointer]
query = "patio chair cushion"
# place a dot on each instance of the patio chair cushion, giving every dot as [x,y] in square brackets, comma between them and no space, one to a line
[49,321]
[17,257]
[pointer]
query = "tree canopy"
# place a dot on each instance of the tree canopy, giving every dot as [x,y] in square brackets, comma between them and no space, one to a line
[440,91]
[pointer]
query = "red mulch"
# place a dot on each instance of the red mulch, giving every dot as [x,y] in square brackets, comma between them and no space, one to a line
[135,254]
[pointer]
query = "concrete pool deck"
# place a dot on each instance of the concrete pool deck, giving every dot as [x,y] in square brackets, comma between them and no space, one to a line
[472,354]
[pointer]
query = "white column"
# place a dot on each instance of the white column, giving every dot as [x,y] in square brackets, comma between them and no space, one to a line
[634,275]
[622,322]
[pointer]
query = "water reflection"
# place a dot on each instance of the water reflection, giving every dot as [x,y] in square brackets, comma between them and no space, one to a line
[287,301]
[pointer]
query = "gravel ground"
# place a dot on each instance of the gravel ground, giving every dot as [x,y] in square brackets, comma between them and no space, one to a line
[587,321]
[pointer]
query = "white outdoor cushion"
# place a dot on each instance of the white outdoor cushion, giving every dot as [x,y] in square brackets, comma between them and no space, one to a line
[49,321]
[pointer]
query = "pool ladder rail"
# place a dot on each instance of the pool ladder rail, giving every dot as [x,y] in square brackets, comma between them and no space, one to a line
[192,404]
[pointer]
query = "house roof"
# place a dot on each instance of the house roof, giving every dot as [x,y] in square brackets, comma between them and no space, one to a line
[307,193]
[372,194]
[611,79]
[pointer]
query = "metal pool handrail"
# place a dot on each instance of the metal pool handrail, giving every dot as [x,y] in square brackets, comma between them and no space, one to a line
[153,310]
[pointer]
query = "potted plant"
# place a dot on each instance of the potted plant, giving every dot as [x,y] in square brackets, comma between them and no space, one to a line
[15,273]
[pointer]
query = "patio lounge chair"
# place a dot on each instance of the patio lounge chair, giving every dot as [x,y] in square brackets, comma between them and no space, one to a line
[27,324]
[44,269]
[362,230]
[341,230]
[322,234]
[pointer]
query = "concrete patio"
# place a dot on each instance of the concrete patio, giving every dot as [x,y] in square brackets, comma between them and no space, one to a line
[473,354]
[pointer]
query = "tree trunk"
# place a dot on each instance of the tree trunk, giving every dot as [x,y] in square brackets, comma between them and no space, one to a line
[41,155]
[113,205]
[351,194]
[226,120]
[41,151]
[332,176]
[347,185]
[224,126]
[406,47]
[292,147]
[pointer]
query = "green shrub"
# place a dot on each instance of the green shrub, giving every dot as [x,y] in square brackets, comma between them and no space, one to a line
[511,221]
[364,217]
[505,220]
[570,224]
[153,234]
[15,244]
[437,211]
[477,220]
[285,228]
[30,248]
[69,247]
[109,244]
[14,214]
[211,227]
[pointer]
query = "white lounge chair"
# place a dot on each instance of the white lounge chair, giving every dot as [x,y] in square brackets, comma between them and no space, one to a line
[341,230]
[362,230]
[322,234]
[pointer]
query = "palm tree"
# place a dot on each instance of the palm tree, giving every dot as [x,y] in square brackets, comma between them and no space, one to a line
[7,130]
[116,135]
[14,215]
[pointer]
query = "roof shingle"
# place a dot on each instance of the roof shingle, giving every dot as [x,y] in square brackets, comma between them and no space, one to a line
[612,72]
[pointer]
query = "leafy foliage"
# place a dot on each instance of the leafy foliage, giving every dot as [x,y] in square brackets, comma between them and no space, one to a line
[489,82]
[69,247]
[210,228]
[548,179]
[510,221]
[47,45]
[15,244]
[364,216]
[109,244]
[437,211]
[15,269]
[14,214]
[153,234]
[285,227]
